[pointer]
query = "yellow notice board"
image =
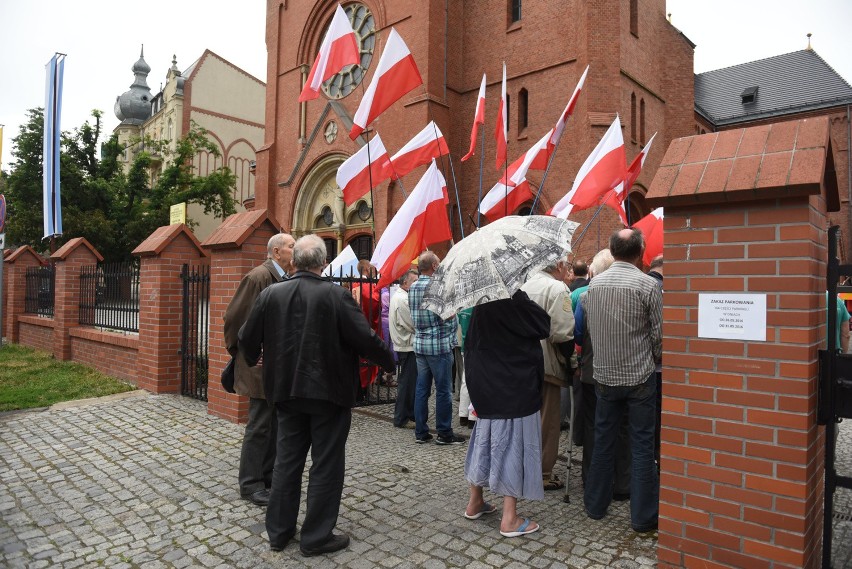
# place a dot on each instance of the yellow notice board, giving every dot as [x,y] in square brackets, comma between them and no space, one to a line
[177,213]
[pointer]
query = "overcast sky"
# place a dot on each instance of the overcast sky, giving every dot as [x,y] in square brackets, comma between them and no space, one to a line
[102,39]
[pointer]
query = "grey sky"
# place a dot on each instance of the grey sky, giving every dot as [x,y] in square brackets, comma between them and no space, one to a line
[102,39]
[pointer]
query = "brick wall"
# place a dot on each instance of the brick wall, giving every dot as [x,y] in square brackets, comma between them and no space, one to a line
[741,451]
[113,354]
[35,332]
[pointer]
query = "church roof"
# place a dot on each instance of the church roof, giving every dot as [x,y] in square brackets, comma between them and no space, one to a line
[776,86]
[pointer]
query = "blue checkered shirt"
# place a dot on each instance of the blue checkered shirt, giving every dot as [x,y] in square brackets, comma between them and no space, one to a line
[432,336]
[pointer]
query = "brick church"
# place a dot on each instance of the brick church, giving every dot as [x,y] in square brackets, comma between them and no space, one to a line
[641,67]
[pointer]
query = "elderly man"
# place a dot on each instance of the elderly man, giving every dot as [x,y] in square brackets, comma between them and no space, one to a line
[402,335]
[547,289]
[581,275]
[624,311]
[258,453]
[312,333]
[434,340]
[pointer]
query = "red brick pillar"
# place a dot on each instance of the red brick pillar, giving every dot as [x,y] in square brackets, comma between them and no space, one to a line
[14,288]
[68,260]
[742,456]
[236,247]
[162,256]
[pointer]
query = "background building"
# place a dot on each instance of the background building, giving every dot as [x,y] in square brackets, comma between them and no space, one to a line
[219,97]
[641,67]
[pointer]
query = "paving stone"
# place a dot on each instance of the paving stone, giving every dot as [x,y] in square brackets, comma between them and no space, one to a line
[150,482]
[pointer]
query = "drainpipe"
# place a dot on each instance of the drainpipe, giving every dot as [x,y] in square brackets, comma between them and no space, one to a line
[849,179]
[446,39]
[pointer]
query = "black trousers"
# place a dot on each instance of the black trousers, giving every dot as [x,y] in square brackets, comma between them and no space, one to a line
[406,384]
[323,428]
[257,457]
[623,457]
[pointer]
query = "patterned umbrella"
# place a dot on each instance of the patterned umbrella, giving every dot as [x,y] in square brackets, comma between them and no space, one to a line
[494,261]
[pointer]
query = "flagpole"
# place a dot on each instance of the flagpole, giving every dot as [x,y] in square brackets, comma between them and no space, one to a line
[544,177]
[372,202]
[443,166]
[576,243]
[481,165]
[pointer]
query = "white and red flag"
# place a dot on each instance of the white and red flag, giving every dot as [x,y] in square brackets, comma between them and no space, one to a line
[602,171]
[652,228]
[370,163]
[396,75]
[501,130]
[535,158]
[502,199]
[421,221]
[569,110]
[478,119]
[563,208]
[615,200]
[339,48]
[635,167]
[429,143]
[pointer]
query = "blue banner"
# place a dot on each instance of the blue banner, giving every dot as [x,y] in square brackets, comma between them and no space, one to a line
[52,113]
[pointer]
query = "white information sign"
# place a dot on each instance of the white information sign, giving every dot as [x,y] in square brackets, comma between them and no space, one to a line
[732,316]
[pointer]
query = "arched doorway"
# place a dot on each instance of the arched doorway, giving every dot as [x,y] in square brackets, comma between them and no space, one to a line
[319,209]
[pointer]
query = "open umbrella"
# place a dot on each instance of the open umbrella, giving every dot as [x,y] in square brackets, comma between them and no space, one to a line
[494,261]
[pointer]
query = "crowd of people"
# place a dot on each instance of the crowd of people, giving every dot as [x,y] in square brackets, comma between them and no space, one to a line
[593,331]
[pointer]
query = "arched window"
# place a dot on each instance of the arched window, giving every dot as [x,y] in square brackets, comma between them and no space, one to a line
[508,111]
[633,117]
[170,130]
[514,11]
[523,114]
[362,246]
[642,122]
[634,17]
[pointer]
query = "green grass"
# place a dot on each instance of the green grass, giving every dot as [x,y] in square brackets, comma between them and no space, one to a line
[32,378]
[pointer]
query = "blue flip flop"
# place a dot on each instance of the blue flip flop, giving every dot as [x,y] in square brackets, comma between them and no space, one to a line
[486,509]
[523,529]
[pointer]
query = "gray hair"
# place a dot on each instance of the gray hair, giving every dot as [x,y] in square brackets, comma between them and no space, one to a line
[309,253]
[276,240]
[553,267]
[602,261]
[410,274]
[426,260]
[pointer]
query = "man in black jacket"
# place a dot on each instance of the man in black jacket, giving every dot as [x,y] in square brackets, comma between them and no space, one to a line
[311,332]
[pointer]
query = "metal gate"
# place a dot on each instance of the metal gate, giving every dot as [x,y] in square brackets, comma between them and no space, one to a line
[835,393]
[195,329]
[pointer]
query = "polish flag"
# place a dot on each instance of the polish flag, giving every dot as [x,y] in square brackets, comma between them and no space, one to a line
[339,48]
[429,143]
[563,208]
[501,131]
[395,76]
[535,158]
[478,119]
[501,199]
[652,228]
[370,163]
[635,167]
[569,110]
[602,171]
[615,200]
[421,221]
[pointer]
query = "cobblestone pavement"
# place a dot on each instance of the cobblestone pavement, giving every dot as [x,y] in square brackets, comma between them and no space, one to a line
[150,482]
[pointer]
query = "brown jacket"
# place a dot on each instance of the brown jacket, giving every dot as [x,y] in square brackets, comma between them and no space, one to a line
[248,381]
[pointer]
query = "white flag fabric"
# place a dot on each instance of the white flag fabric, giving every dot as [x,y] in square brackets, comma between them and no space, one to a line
[339,48]
[427,144]
[370,164]
[55,70]
[345,264]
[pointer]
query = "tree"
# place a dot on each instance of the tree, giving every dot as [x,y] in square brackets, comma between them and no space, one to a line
[114,211]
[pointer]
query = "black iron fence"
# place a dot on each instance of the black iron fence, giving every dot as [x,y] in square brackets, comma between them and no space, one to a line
[39,293]
[109,296]
[377,387]
[195,329]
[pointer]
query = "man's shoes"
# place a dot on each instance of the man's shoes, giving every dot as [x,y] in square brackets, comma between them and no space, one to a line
[463,421]
[279,545]
[621,496]
[424,439]
[647,528]
[336,543]
[449,440]
[259,498]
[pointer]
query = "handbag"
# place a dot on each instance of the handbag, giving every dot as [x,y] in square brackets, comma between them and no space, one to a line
[228,377]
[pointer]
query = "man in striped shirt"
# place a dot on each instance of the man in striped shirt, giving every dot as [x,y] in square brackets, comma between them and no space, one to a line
[624,311]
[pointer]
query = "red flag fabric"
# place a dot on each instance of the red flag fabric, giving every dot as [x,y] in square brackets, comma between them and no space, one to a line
[635,167]
[535,158]
[339,48]
[429,143]
[615,200]
[396,75]
[502,199]
[602,171]
[652,228]
[478,119]
[370,163]
[569,110]
[421,221]
[501,130]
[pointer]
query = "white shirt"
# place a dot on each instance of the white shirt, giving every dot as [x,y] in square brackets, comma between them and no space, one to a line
[400,323]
